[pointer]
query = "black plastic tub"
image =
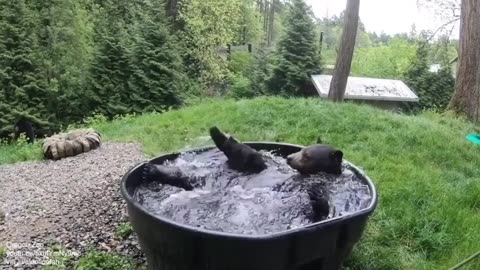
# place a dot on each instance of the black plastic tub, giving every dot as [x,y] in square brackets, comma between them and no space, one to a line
[174,246]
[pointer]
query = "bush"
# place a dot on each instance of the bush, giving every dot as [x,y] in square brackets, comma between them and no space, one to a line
[94,260]
[124,230]
[240,62]
[3,253]
[384,61]
[433,89]
[261,69]
[240,87]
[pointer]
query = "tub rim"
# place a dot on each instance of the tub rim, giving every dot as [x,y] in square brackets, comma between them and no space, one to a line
[211,233]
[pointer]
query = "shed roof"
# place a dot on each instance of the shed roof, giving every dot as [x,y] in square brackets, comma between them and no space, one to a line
[368,88]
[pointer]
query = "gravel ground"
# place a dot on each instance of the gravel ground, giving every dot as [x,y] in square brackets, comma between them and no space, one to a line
[74,202]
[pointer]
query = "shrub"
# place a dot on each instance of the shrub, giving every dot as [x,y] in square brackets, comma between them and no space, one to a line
[240,87]
[94,260]
[297,54]
[240,62]
[433,89]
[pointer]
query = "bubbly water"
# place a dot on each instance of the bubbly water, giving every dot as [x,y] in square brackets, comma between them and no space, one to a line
[225,200]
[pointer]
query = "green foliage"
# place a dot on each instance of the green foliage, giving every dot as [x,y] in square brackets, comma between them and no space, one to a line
[433,89]
[240,87]
[65,32]
[22,90]
[442,51]
[137,67]
[3,253]
[332,29]
[384,61]
[158,72]
[208,25]
[297,57]
[110,74]
[60,256]
[249,29]
[19,151]
[261,70]
[63,60]
[240,62]
[124,230]
[95,119]
[95,260]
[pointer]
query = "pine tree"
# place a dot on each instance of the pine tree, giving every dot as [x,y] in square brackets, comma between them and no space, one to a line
[433,89]
[64,31]
[22,90]
[110,73]
[109,76]
[260,70]
[158,76]
[297,54]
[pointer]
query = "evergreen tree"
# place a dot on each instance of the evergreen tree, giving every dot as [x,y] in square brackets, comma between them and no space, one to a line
[64,32]
[297,54]
[108,84]
[22,90]
[109,76]
[261,70]
[158,76]
[208,25]
[433,89]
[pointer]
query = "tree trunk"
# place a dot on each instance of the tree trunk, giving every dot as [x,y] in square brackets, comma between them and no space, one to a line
[466,98]
[345,54]
[266,13]
[172,9]
[271,19]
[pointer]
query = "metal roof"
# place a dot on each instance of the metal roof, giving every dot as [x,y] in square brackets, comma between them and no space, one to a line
[368,88]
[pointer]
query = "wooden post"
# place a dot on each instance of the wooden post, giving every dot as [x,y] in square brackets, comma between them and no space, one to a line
[345,54]
[321,44]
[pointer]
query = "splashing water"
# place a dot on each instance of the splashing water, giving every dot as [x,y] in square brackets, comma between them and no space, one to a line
[229,201]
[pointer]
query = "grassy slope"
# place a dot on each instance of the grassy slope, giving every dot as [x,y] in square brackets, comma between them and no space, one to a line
[427,174]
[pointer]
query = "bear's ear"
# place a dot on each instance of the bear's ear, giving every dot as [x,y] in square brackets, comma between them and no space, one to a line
[336,155]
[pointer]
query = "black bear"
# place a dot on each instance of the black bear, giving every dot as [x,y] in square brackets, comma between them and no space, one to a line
[319,202]
[24,126]
[317,158]
[166,175]
[241,157]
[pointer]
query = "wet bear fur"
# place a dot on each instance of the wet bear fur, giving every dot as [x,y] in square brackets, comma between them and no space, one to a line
[319,202]
[241,157]
[317,158]
[166,175]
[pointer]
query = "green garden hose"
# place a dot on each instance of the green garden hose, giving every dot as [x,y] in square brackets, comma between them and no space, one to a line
[474,138]
[465,261]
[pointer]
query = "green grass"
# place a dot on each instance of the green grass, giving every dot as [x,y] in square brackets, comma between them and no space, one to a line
[426,172]
[3,253]
[20,151]
[60,258]
[124,230]
[96,260]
